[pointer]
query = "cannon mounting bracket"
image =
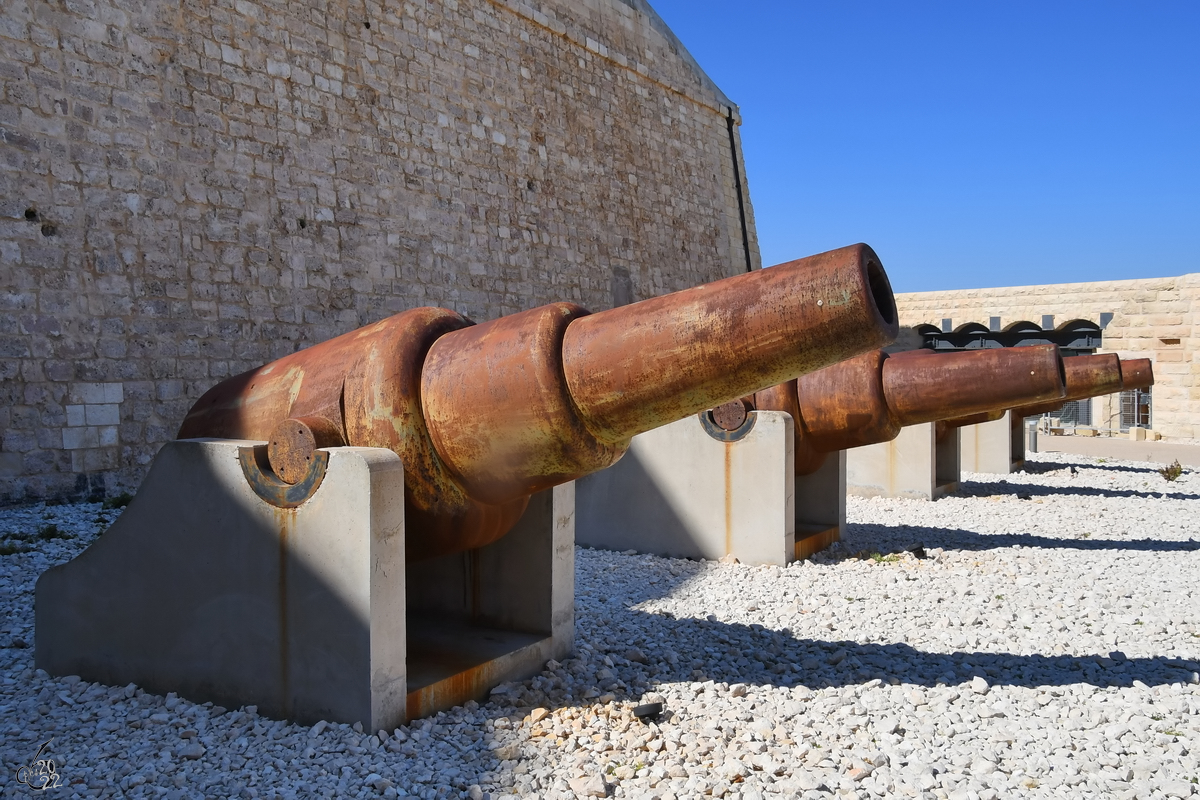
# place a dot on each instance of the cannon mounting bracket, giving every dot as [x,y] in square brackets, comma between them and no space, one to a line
[207,588]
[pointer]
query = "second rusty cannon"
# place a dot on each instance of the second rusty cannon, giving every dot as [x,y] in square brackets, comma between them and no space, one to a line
[996,442]
[764,478]
[870,398]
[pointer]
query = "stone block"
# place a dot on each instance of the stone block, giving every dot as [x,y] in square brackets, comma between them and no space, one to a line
[996,447]
[11,464]
[309,612]
[212,593]
[682,492]
[96,393]
[80,438]
[75,415]
[103,414]
[915,465]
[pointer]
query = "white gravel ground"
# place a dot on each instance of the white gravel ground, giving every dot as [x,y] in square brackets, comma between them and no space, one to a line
[1045,646]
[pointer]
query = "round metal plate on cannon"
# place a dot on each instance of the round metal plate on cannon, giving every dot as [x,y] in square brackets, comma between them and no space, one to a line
[717,431]
[259,475]
[293,445]
[730,416]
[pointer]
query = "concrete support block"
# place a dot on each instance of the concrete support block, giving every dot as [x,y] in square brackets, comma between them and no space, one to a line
[203,588]
[821,506]
[684,493]
[495,614]
[915,465]
[997,447]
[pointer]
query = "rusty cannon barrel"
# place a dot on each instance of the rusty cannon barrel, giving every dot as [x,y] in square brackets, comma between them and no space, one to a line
[1086,376]
[869,398]
[482,416]
[1136,373]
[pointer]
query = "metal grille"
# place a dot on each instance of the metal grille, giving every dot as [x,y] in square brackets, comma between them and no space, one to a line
[1075,413]
[1135,409]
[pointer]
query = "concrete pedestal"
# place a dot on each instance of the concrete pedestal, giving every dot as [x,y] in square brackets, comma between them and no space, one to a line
[206,589]
[997,446]
[914,465]
[689,490]
[821,506]
[499,613]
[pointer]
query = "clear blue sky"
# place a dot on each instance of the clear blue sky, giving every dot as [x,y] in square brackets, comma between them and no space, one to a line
[970,143]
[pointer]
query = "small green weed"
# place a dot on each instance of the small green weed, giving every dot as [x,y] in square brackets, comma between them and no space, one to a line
[52,531]
[1172,472]
[8,549]
[118,501]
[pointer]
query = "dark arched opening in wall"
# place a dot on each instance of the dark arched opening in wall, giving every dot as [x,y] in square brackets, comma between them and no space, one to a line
[1076,337]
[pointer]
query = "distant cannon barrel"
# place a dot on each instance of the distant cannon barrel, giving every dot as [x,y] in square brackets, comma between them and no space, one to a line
[482,416]
[1086,376]
[869,398]
[1136,373]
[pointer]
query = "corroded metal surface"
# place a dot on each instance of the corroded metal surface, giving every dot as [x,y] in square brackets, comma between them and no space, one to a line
[1136,373]
[719,432]
[783,397]
[730,416]
[293,445]
[637,367]
[484,415]
[869,398]
[1086,376]
[499,410]
[261,478]
[845,405]
[923,386]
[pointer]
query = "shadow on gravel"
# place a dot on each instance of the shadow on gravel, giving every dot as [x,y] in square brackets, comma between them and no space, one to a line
[905,536]
[990,489]
[690,649]
[1045,467]
[733,653]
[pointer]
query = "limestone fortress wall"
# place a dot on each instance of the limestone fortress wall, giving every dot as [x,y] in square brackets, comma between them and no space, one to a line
[1155,318]
[193,188]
